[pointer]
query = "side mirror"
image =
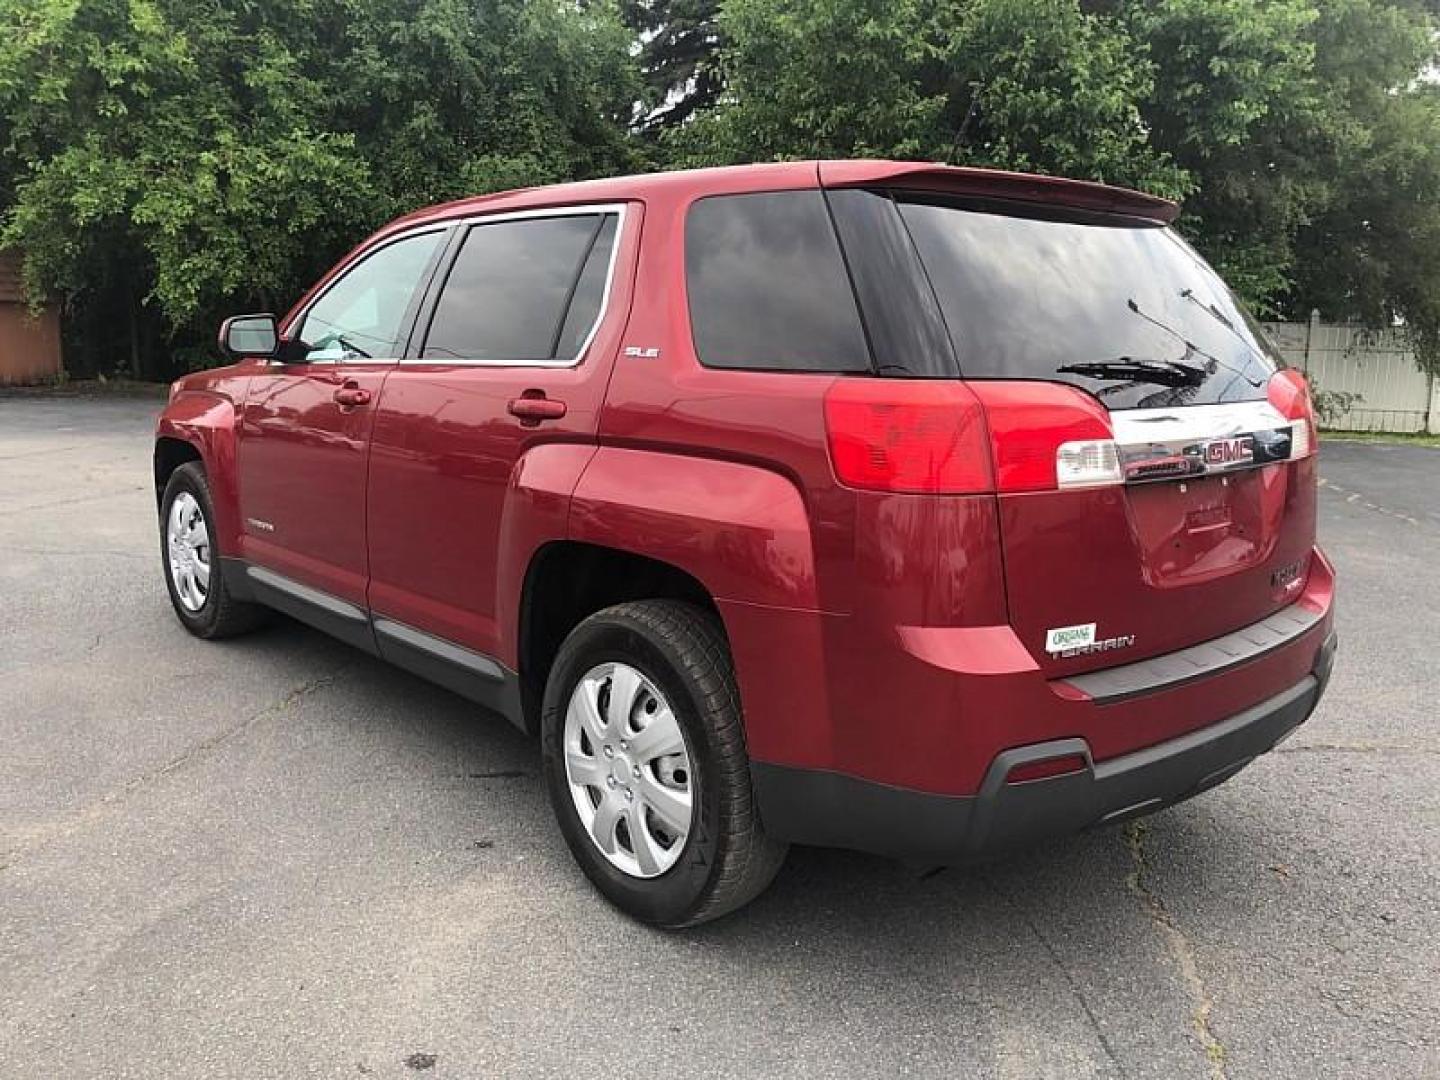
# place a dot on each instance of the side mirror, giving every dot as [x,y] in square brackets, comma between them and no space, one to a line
[249,335]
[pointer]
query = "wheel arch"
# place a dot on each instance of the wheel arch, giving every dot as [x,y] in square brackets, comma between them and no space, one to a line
[567,581]
[201,426]
[731,537]
[170,453]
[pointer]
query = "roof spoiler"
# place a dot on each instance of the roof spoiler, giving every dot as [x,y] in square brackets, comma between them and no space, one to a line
[998,184]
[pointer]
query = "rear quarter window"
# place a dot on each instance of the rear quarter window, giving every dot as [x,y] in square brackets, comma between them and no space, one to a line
[767,285]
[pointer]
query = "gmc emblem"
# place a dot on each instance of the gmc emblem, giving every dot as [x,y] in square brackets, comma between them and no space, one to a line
[1230,451]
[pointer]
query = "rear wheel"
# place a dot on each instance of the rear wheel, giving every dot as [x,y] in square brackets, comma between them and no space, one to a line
[194,573]
[646,766]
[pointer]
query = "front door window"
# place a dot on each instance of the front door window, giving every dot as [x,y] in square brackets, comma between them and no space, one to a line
[361,316]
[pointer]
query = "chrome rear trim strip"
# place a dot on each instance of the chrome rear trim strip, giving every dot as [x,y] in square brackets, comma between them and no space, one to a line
[1197,440]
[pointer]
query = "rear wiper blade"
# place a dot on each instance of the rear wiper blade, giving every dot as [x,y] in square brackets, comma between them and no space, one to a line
[1158,372]
[1213,311]
[1190,346]
[1220,317]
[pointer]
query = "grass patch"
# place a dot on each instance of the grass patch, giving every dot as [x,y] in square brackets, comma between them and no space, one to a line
[120,388]
[1379,437]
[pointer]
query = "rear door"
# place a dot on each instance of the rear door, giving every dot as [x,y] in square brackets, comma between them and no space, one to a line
[1096,332]
[306,425]
[511,353]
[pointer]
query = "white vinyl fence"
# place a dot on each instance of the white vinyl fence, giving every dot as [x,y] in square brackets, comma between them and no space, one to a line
[1394,395]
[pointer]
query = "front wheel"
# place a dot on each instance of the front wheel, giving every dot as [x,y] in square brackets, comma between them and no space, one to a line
[646,766]
[194,573]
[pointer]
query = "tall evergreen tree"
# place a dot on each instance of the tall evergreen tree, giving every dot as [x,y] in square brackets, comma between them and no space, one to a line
[679,44]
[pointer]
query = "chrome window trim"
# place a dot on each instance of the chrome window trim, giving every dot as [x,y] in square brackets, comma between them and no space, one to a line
[579,210]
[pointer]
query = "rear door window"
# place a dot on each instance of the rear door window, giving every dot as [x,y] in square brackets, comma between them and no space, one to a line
[767,285]
[1126,310]
[590,290]
[526,290]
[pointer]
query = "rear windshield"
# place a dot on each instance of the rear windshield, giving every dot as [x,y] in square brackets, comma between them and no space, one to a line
[1128,311]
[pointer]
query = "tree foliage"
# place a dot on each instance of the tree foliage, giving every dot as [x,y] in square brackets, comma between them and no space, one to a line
[185,154]
[1303,135]
[679,43]
[162,161]
[1025,84]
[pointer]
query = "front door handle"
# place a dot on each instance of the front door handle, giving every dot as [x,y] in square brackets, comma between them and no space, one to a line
[534,406]
[351,395]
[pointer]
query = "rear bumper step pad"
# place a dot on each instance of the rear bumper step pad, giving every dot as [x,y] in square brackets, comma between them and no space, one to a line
[1198,661]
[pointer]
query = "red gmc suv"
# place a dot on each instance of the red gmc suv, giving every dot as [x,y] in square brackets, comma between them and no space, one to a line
[919,510]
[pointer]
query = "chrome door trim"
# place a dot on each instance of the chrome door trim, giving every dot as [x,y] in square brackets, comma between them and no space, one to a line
[478,663]
[332,605]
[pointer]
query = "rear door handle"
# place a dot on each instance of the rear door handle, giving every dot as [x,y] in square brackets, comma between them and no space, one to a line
[532,408]
[351,395]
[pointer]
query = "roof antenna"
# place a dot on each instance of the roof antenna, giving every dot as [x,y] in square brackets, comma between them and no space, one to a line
[964,128]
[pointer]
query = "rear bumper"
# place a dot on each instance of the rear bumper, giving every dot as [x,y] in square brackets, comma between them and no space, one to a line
[834,810]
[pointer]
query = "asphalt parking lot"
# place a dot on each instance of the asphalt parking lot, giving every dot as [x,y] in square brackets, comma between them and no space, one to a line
[276,856]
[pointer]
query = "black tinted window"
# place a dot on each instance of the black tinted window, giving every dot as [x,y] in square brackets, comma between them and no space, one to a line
[589,291]
[908,336]
[509,290]
[1129,312]
[768,287]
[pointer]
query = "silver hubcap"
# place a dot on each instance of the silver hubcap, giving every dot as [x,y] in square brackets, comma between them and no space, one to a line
[629,770]
[188,542]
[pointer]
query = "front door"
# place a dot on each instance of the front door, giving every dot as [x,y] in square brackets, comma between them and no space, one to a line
[305,429]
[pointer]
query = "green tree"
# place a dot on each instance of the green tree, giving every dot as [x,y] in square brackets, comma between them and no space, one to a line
[1370,248]
[679,44]
[1232,93]
[166,159]
[1313,149]
[1300,133]
[1035,84]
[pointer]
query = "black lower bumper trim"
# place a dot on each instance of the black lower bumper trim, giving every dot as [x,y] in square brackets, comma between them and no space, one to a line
[833,810]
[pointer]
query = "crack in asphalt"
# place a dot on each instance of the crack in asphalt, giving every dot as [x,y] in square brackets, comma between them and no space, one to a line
[93,811]
[75,553]
[11,511]
[1354,748]
[1181,948]
[1064,970]
[1358,499]
[44,452]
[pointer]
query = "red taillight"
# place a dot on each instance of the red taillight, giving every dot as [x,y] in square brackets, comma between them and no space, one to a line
[917,436]
[1046,768]
[1290,394]
[1047,435]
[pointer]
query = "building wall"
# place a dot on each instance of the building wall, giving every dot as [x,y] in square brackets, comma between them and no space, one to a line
[29,344]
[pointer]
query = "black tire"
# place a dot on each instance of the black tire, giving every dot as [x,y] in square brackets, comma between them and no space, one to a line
[728,859]
[221,615]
